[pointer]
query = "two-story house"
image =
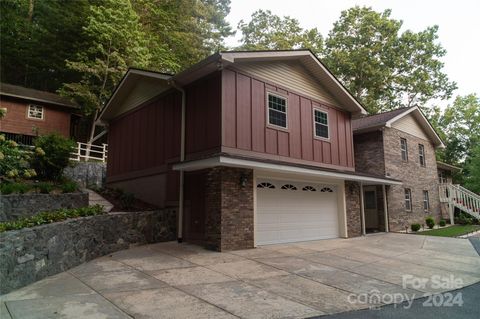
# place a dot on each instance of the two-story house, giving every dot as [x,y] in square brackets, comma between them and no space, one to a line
[251,148]
[32,112]
[400,144]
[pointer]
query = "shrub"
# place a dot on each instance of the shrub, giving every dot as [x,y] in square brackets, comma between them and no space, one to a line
[68,187]
[442,222]
[430,222]
[13,160]
[51,156]
[51,217]
[14,188]
[44,187]
[415,227]
[463,218]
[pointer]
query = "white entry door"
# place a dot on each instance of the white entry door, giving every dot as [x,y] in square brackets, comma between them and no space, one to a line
[290,211]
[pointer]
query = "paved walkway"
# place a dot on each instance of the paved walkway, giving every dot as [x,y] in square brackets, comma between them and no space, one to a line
[170,280]
[95,198]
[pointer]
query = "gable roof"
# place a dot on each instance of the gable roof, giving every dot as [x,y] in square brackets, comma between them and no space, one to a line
[305,57]
[386,119]
[24,93]
[160,82]
[222,59]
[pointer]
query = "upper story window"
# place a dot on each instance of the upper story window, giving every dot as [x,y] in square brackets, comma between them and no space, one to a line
[35,112]
[404,148]
[426,201]
[320,119]
[277,110]
[421,154]
[408,199]
[442,178]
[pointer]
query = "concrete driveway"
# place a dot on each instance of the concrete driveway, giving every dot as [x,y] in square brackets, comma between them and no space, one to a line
[170,280]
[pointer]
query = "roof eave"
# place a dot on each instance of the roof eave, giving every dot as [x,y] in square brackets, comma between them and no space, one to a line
[23,97]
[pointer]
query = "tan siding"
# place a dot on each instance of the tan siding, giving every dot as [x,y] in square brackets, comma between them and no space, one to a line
[143,91]
[289,74]
[409,125]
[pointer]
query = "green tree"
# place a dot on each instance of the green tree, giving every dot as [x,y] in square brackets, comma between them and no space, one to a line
[382,67]
[266,31]
[116,42]
[472,167]
[182,32]
[36,37]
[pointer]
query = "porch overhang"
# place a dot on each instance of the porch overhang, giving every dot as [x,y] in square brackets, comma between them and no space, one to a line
[281,168]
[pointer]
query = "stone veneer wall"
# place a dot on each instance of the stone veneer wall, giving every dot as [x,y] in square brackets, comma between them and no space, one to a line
[30,254]
[352,199]
[413,176]
[229,209]
[87,174]
[15,206]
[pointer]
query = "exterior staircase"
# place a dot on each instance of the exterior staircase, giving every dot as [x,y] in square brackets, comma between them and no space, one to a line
[460,197]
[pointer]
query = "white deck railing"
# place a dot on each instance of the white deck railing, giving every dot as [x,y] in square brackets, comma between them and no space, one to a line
[458,196]
[88,152]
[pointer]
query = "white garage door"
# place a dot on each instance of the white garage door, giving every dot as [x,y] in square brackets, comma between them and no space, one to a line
[290,211]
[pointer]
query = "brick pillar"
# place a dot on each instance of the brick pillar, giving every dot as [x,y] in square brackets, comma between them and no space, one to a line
[352,199]
[229,209]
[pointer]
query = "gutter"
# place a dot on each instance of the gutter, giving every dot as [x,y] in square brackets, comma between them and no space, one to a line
[182,158]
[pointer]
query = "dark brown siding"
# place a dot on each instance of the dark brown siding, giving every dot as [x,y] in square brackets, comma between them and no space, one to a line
[16,121]
[145,142]
[202,117]
[245,130]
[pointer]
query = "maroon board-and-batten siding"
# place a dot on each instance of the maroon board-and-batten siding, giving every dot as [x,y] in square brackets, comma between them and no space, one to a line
[146,141]
[245,128]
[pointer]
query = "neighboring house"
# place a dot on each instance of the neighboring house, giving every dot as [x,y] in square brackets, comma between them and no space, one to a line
[251,148]
[32,112]
[400,144]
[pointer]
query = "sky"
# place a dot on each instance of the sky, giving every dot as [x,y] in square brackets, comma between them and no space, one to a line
[458,21]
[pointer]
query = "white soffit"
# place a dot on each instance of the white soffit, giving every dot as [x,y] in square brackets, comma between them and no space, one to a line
[278,168]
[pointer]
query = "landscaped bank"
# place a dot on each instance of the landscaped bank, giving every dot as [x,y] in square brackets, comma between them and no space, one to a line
[30,254]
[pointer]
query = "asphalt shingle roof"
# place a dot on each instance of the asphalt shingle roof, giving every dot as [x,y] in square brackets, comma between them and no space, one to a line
[377,119]
[35,95]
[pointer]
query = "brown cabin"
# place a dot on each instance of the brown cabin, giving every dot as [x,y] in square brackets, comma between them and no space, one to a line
[32,112]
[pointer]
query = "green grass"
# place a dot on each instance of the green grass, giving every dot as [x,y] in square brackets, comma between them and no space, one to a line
[452,231]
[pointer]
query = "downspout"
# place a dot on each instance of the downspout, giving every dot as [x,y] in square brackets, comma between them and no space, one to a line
[182,158]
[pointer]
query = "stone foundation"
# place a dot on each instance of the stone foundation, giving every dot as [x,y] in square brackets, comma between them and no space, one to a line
[30,254]
[15,206]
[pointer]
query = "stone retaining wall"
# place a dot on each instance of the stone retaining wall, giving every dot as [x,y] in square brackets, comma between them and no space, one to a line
[30,254]
[16,206]
[87,174]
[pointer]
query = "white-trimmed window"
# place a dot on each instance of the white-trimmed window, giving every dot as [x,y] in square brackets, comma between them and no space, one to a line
[426,201]
[408,199]
[421,154]
[277,110]
[404,149]
[320,119]
[35,112]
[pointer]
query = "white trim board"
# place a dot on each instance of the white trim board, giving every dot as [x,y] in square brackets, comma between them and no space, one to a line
[279,168]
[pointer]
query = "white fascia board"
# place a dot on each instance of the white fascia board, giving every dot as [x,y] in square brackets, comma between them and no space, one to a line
[399,116]
[234,162]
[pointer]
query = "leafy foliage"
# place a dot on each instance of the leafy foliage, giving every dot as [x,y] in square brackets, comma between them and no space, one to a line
[37,37]
[382,67]
[458,126]
[430,222]
[51,217]
[415,227]
[14,162]
[51,156]
[266,31]
[22,187]
[442,223]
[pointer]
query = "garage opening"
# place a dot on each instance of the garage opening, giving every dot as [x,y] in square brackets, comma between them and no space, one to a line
[289,211]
